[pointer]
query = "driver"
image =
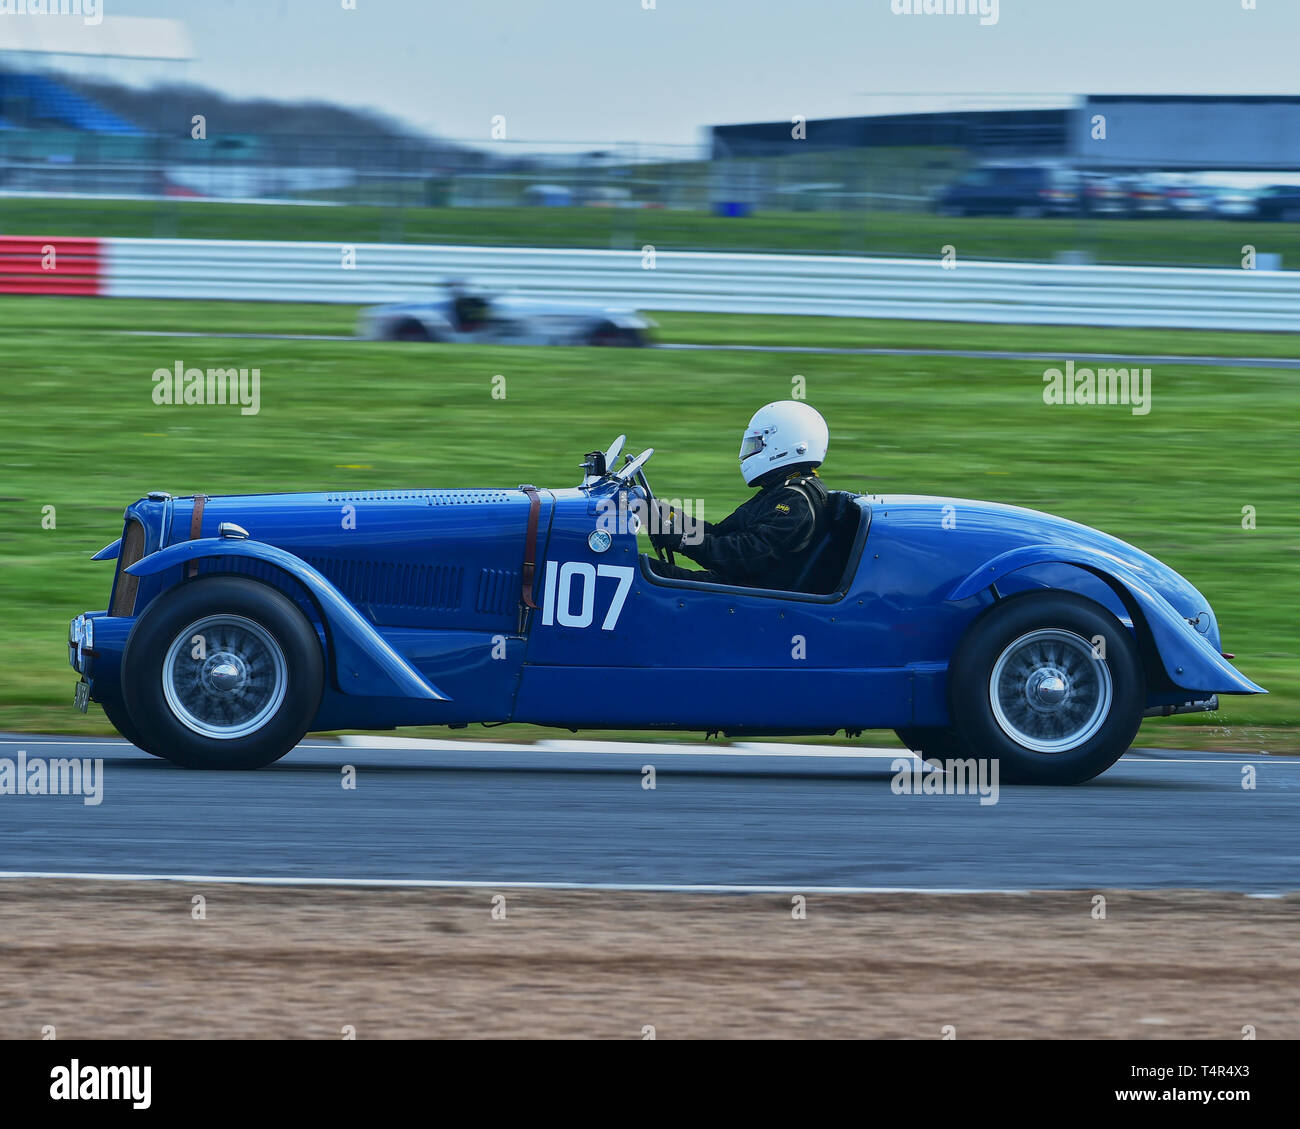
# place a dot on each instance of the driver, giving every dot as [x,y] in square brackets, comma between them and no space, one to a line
[468,308]
[767,541]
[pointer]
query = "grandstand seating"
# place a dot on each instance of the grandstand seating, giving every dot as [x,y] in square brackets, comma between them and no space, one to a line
[37,98]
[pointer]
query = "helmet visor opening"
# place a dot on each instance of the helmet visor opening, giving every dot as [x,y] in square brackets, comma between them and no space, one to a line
[750,445]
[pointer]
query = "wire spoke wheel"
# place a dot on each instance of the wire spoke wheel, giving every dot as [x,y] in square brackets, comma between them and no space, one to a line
[223,676]
[1049,692]
[1028,687]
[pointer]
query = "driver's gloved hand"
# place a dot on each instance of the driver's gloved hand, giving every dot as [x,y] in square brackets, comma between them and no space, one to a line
[670,541]
[666,532]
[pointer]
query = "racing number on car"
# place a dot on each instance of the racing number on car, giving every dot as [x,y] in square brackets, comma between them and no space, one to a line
[558,600]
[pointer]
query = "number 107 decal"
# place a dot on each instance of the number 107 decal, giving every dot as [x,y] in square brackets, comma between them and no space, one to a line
[558,597]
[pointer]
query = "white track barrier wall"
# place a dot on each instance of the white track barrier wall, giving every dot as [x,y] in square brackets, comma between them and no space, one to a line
[1010,293]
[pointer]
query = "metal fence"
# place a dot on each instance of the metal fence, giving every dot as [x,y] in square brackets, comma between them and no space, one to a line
[479,173]
[845,286]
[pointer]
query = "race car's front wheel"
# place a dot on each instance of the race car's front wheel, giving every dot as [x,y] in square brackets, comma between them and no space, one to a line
[1051,685]
[222,673]
[115,711]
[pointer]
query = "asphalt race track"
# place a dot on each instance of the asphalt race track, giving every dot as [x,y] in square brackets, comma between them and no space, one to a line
[572,812]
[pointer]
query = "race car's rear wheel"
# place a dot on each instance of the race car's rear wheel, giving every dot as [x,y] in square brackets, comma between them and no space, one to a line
[1051,685]
[932,742]
[409,330]
[618,336]
[223,673]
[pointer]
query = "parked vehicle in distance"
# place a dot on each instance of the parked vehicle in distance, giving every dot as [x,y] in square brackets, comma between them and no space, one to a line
[1279,202]
[1029,191]
[1187,199]
[461,315]
[1234,203]
[1104,195]
[1147,198]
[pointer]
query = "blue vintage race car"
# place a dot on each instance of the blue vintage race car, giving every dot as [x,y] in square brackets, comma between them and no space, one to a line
[237,624]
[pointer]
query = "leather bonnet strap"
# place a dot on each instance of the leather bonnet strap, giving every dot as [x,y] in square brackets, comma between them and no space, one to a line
[530,544]
[196,528]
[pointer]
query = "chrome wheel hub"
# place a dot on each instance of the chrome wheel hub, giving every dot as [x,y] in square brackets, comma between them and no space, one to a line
[1046,690]
[1049,691]
[225,673]
[224,676]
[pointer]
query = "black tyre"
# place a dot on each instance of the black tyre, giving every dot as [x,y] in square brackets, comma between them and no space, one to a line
[121,721]
[409,330]
[932,742]
[1049,683]
[222,673]
[617,336]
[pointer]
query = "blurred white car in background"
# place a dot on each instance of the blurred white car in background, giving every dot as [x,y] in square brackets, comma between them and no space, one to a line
[460,315]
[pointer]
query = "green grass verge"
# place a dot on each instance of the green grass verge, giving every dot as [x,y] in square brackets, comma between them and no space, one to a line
[111,315]
[1146,241]
[83,435]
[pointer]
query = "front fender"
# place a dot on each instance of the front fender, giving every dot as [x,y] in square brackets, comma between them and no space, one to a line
[1189,659]
[366,664]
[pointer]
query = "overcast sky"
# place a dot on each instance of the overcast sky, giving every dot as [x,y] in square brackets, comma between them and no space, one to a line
[610,70]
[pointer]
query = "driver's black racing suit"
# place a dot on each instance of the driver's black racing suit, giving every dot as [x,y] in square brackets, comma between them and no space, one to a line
[764,544]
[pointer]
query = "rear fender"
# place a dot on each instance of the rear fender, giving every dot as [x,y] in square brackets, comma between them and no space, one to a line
[365,664]
[1189,659]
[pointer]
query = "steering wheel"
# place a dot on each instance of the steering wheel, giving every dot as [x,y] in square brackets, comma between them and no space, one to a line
[632,469]
[665,555]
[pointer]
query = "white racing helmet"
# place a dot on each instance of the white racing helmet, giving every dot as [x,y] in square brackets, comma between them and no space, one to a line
[782,434]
